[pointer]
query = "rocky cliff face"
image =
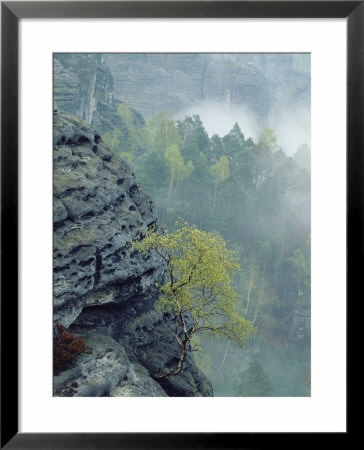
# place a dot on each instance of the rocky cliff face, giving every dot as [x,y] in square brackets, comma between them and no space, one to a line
[83,86]
[102,290]
[173,82]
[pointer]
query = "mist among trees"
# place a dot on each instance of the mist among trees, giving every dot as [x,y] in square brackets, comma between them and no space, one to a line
[258,199]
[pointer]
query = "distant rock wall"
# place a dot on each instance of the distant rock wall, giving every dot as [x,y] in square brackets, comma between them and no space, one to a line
[81,81]
[173,82]
[83,86]
[102,290]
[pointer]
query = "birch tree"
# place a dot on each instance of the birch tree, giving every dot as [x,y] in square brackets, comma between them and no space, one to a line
[219,172]
[198,289]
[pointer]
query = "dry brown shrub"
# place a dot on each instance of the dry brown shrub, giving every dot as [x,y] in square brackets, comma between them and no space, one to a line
[66,347]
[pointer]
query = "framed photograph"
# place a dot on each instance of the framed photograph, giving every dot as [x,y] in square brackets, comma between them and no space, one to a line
[180,191]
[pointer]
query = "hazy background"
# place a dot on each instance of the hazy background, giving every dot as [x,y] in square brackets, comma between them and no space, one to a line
[254,90]
[223,141]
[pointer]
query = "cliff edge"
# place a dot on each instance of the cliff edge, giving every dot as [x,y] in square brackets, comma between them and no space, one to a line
[103,291]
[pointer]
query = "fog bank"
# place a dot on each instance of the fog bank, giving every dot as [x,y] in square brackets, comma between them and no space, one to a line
[292,124]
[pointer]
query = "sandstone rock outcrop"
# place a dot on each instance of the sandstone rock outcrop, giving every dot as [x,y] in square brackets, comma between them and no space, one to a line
[102,290]
[99,208]
[83,86]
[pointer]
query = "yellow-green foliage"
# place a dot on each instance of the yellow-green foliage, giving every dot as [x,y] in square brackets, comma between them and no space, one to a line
[200,271]
[220,171]
[268,139]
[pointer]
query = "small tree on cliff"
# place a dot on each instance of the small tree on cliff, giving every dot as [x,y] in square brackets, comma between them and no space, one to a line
[198,288]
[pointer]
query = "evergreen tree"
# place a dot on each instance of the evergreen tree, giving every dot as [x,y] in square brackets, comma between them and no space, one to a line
[194,138]
[233,142]
[216,150]
[258,198]
[255,382]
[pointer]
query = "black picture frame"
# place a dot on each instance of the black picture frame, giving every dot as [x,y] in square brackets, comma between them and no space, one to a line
[11,12]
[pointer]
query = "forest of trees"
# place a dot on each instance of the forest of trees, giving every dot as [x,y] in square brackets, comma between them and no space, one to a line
[258,199]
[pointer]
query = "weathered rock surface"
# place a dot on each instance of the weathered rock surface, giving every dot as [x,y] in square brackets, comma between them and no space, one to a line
[99,208]
[104,370]
[81,81]
[148,338]
[83,86]
[103,291]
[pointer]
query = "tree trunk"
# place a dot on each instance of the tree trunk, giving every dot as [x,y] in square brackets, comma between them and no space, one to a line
[226,351]
[179,365]
[249,291]
[214,200]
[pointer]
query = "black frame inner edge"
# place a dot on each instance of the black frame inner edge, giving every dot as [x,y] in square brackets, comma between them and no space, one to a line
[11,12]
